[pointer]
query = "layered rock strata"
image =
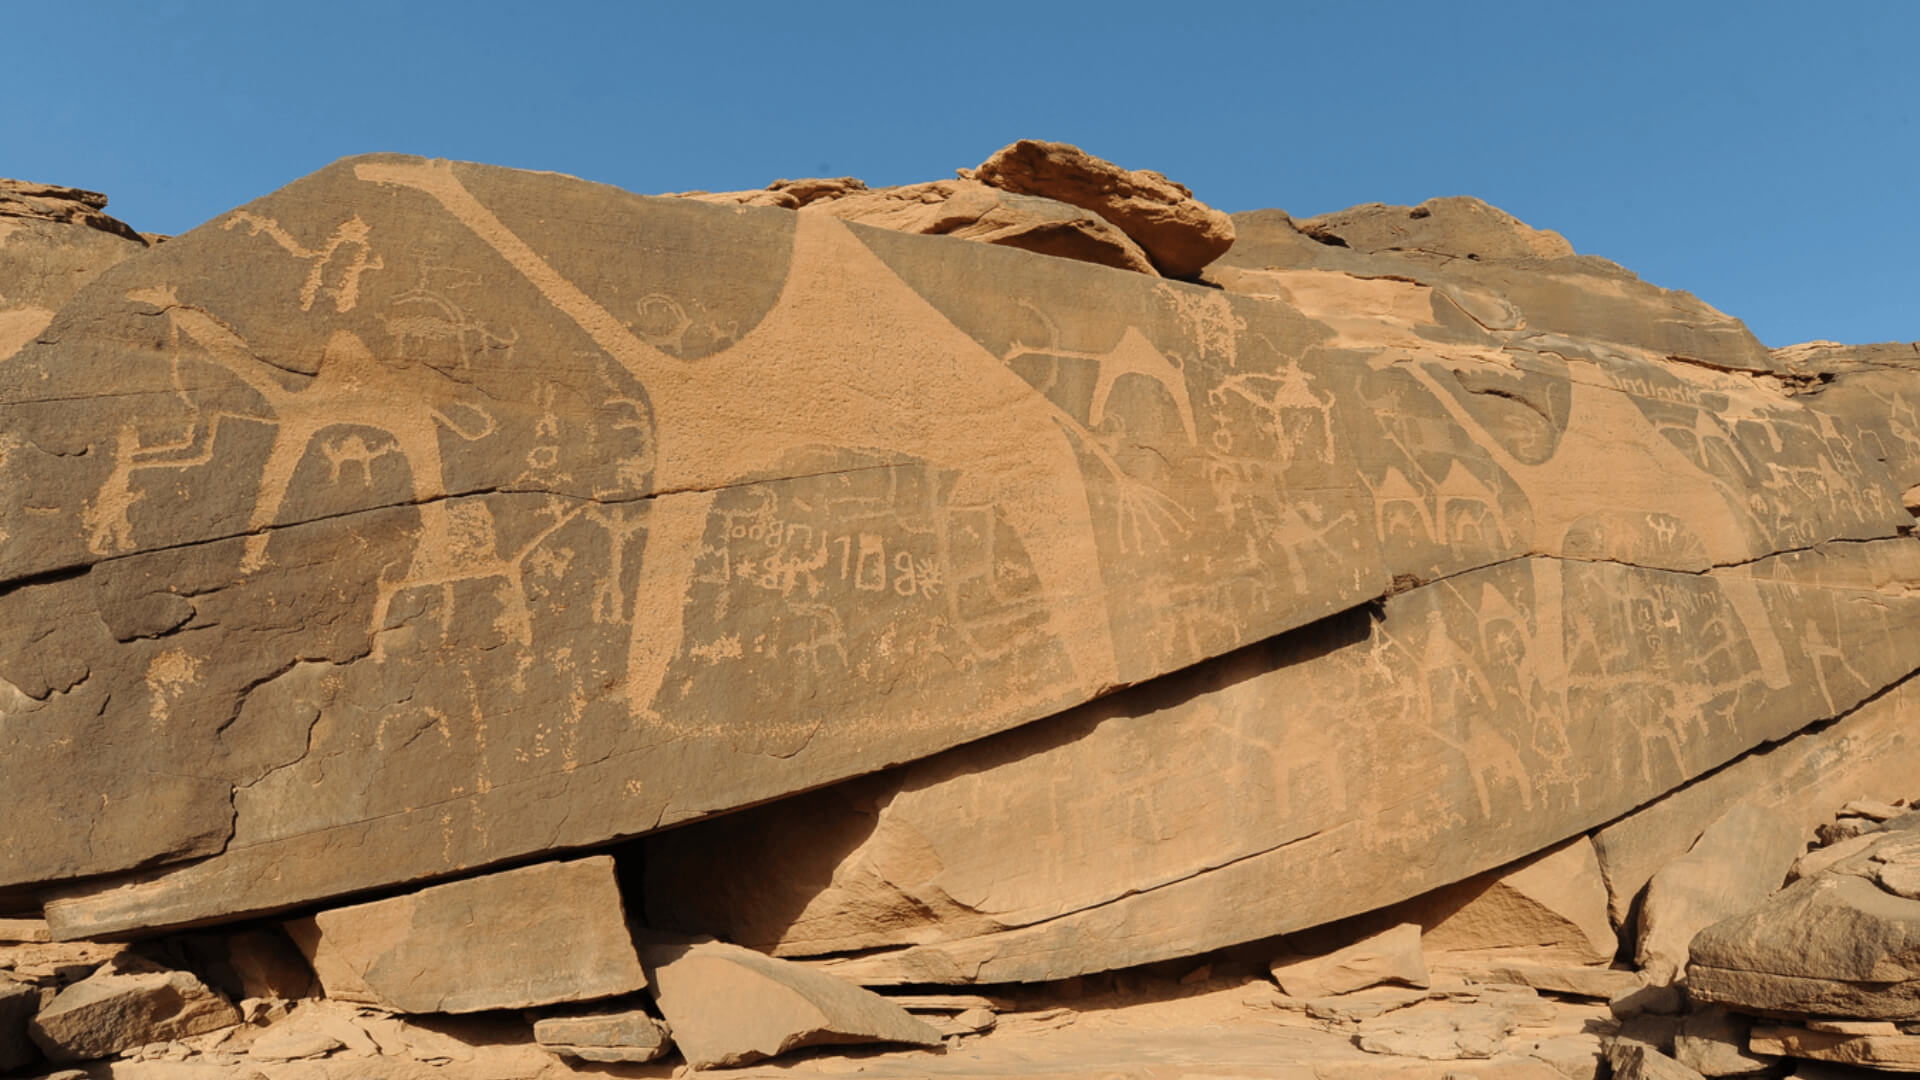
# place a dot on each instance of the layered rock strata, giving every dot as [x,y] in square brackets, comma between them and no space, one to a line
[432,525]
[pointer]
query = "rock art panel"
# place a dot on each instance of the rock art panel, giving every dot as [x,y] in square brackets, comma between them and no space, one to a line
[1352,764]
[1872,751]
[407,512]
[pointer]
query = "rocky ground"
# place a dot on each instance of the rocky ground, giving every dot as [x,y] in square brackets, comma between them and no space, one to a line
[1516,977]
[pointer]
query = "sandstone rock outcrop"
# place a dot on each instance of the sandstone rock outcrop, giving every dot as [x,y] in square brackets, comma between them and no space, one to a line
[53,240]
[540,935]
[424,519]
[962,209]
[1154,514]
[1179,233]
[1841,943]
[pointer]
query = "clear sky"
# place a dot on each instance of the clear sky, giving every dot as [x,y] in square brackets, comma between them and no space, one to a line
[1763,155]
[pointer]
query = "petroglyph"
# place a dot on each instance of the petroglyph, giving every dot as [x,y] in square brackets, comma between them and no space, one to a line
[1358,760]
[593,530]
[341,282]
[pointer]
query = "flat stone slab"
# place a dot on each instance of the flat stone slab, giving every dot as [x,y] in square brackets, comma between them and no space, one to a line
[539,935]
[732,1006]
[1892,1052]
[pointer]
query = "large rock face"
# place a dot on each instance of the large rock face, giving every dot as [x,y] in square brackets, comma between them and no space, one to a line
[445,515]
[1342,767]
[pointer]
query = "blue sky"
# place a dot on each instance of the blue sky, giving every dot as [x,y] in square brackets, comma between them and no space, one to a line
[1757,155]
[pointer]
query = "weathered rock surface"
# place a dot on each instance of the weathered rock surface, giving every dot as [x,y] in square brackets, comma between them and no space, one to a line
[730,1006]
[1713,1042]
[552,932]
[1873,749]
[1390,957]
[605,1035]
[935,857]
[1835,944]
[1634,1061]
[1740,859]
[124,1005]
[1444,1033]
[962,209]
[1890,1051]
[1179,233]
[18,1003]
[1549,909]
[1056,488]
[53,241]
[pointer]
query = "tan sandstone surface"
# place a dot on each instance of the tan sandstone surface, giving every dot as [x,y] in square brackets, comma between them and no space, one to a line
[1041,625]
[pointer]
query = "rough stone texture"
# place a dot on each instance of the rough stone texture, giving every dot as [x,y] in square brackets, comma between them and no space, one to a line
[18,1003]
[962,209]
[1874,387]
[1890,1052]
[1591,982]
[53,241]
[1873,750]
[1392,956]
[730,1006]
[1444,1033]
[980,488]
[127,1004]
[24,930]
[1713,1042]
[548,933]
[253,963]
[1178,232]
[1835,944]
[1549,909]
[1633,1061]
[1297,740]
[1739,860]
[604,1035]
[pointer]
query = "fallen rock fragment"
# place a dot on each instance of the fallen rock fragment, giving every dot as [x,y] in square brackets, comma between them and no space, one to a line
[730,1006]
[1737,862]
[125,1005]
[15,930]
[553,932]
[1392,956]
[1636,1061]
[293,1045]
[612,1034]
[1441,1033]
[1713,1042]
[1178,232]
[1890,1051]
[18,1003]
[1605,984]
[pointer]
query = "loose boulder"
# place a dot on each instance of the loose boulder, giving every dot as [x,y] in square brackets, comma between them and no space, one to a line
[1391,957]
[731,1006]
[553,932]
[611,1034]
[127,1004]
[1739,861]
